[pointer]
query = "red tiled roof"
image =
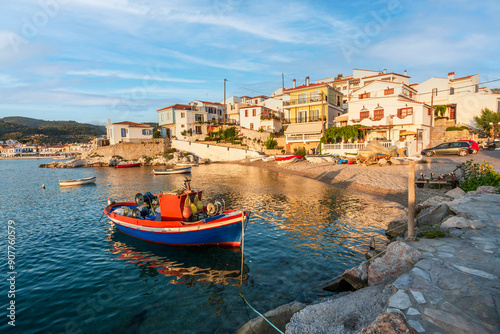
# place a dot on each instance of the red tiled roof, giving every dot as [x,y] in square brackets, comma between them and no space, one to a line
[306,86]
[462,78]
[381,74]
[251,106]
[220,104]
[133,124]
[176,106]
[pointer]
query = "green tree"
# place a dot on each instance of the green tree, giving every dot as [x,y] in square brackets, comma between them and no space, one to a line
[487,116]
[157,134]
[335,133]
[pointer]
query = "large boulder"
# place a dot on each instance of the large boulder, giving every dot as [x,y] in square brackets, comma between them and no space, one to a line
[397,226]
[433,215]
[398,259]
[456,222]
[357,277]
[389,323]
[279,317]
[455,193]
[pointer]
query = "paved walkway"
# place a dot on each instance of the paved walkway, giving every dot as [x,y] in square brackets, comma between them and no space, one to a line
[455,288]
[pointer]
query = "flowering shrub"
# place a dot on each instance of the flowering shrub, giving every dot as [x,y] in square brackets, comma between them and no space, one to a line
[479,174]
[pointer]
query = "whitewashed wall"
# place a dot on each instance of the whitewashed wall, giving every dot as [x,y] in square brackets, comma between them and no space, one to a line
[213,152]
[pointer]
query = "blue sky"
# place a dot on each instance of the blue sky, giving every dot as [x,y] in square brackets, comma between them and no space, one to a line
[90,60]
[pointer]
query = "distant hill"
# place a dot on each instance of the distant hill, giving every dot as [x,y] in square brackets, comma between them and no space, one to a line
[24,129]
[495,90]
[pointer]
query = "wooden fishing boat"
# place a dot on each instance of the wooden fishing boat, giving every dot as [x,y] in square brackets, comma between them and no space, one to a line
[287,157]
[269,158]
[287,161]
[128,164]
[172,171]
[179,218]
[77,182]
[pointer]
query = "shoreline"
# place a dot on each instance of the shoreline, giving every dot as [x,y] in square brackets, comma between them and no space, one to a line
[387,183]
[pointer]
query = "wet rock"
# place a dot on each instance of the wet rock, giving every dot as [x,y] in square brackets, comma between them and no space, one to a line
[374,253]
[339,286]
[397,226]
[279,317]
[455,193]
[432,216]
[431,202]
[357,277]
[398,259]
[389,323]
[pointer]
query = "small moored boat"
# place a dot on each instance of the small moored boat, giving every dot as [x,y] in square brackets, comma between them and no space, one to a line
[77,182]
[187,164]
[179,218]
[287,161]
[127,164]
[172,171]
[287,157]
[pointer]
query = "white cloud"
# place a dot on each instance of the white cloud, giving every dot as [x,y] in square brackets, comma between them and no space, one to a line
[151,75]
[7,81]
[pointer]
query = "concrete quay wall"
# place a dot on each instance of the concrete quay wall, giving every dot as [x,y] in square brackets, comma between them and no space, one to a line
[149,148]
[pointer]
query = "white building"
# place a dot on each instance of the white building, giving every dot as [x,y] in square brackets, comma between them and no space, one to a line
[389,111]
[166,118]
[12,150]
[128,132]
[463,97]
[258,117]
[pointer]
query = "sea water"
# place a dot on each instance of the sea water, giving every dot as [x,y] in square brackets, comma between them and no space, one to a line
[74,272]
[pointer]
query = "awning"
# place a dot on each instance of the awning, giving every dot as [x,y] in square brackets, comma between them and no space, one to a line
[341,118]
[408,133]
[304,128]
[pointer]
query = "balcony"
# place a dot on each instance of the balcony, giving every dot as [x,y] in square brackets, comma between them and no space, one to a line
[295,120]
[310,99]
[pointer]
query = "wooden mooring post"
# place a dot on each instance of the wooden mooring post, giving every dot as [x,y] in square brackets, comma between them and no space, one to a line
[411,201]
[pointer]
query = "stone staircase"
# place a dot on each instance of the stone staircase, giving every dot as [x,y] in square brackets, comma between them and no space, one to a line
[440,135]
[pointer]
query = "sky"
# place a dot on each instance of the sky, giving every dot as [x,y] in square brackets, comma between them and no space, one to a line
[94,60]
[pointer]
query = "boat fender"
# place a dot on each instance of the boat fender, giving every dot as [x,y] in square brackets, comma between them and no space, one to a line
[199,204]
[194,209]
[186,212]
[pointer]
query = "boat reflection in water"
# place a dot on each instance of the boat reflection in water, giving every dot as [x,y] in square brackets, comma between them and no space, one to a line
[185,265]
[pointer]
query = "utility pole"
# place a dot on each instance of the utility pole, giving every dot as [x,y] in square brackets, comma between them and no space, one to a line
[283,81]
[224,116]
[432,116]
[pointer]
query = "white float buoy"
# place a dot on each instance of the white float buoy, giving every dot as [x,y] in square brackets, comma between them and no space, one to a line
[43,186]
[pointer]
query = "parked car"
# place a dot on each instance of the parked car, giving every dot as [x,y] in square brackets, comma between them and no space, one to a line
[475,146]
[461,148]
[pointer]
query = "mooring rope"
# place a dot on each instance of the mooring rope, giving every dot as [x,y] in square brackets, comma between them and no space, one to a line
[260,314]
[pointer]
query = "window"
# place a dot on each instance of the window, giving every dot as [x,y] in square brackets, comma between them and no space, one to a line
[403,112]
[314,115]
[344,88]
[338,100]
[198,130]
[124,132]
[452,90]
[254,112]
[435,91]
[144,132]
[251,126]
[198,118]
[364,96]
[183,115]
[389,91]
[302,98]
[314,96]
[246,112]
[429,111]
[364,114]
[378,114]
[302,117]
[161,116]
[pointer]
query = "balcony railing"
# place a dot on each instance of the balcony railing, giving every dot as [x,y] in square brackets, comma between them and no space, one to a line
[302,138]
[294,120]
[310,99]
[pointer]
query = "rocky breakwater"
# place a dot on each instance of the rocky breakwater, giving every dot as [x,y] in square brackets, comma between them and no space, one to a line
[98,161]
[448,284]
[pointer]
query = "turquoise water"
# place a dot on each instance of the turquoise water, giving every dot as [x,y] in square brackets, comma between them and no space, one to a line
[78,274]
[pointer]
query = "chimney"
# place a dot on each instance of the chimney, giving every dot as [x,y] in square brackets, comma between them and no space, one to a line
[109,122]
[385,70]
[405,72]
[307,81]
[294,83]
[451,76]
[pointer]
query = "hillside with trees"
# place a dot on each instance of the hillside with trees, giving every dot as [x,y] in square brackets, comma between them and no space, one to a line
[25,129]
